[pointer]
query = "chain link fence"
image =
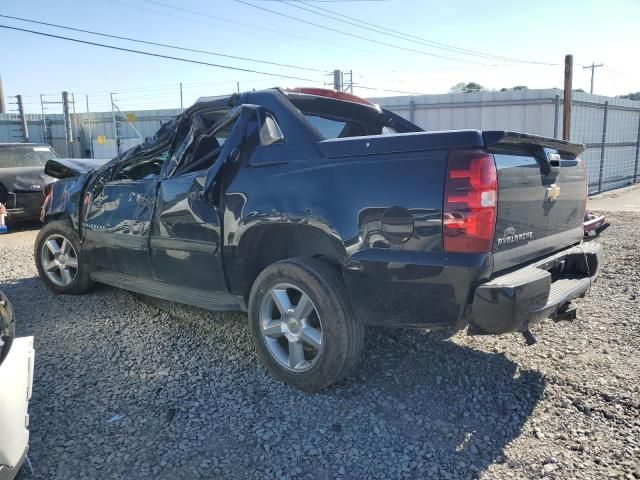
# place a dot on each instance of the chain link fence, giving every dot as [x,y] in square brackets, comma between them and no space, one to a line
[608,126]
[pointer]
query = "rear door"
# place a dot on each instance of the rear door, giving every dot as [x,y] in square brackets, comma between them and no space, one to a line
[541,204]
[186,237]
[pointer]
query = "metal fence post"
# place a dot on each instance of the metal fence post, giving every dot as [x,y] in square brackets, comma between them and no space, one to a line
[115,126]
[68,129]
[568,96]
[555,116]
[45,136]
[602,148]
[635,168]
[23,120]
[86,97]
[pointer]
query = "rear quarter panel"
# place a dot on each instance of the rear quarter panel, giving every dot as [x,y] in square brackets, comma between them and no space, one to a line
[345,198]
[413,282]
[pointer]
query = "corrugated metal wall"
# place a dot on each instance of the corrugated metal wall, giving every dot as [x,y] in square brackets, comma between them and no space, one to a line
[612,159]
[522,110]
[88,129]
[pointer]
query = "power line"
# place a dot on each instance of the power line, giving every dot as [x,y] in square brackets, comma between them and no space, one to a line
[337,1]
[427,41]
[400,35]
[400,47]
[335,30]
[157,55]
[222,19]
[355,85]
[146,42]
[169,86]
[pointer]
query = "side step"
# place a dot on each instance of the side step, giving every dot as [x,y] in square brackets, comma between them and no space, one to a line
[174,293]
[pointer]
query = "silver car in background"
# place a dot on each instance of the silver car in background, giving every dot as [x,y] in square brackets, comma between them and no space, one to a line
[16,378]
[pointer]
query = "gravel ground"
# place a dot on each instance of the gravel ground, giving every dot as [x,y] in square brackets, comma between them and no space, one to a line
[126,387]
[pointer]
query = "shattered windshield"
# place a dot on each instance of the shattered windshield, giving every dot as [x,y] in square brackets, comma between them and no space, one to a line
[25,156]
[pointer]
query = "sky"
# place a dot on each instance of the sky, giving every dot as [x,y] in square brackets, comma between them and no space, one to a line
[535,36]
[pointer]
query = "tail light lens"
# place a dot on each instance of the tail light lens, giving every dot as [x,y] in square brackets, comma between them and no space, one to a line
[46,193]
[470,202]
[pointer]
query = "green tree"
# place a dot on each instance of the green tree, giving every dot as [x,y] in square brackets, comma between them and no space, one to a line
[467,87]
[631,96]
[517,87]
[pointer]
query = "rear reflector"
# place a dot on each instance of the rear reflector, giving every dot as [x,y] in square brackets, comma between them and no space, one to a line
[470,202]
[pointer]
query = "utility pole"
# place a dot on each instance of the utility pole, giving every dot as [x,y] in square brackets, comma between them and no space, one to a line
[3,106]
[568,85]
[347,86]
[68,131]
[593,67]
[23,120]
[181,107]
[337,80]
[89,120]
[75,127]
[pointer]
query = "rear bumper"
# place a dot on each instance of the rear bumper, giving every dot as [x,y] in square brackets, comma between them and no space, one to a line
[22,206]
[16,214]
[595,226]
[397,288]
[515,300]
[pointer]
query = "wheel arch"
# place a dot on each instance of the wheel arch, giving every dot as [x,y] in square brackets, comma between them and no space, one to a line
[265,244]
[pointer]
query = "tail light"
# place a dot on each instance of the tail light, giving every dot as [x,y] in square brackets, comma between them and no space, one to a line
[470,202]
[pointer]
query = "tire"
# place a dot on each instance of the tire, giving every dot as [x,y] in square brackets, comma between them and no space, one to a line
[323,362]
[50,266]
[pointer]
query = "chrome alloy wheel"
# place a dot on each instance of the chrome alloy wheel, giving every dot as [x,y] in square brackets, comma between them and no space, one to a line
[291,327]
[59,260]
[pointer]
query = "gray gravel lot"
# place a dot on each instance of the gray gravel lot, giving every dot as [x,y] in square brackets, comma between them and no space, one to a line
[128,387]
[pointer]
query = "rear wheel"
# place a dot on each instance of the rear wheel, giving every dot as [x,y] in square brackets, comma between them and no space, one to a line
[302,323]
[58,259]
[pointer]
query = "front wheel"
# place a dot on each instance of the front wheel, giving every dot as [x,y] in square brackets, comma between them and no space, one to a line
[59,261]
[302,323]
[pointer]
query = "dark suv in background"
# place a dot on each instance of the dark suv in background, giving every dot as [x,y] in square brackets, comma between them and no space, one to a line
[22,178]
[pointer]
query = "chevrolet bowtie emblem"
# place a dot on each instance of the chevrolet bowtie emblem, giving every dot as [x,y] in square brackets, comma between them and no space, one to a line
[553,192]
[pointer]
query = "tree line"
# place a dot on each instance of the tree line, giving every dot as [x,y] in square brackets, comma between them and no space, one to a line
[469,87]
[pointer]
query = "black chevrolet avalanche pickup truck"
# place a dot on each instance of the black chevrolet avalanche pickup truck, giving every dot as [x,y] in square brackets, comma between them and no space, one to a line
[320,213]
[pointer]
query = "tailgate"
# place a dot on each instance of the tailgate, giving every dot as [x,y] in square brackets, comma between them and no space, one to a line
[541,196]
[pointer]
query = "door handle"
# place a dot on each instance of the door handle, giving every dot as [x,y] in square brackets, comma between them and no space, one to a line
[234,155]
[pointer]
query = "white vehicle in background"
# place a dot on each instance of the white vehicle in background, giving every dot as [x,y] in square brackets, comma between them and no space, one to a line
[16,378]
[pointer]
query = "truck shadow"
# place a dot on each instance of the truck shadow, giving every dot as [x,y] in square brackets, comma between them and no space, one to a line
[443,408]
[459,406]
[138,373]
